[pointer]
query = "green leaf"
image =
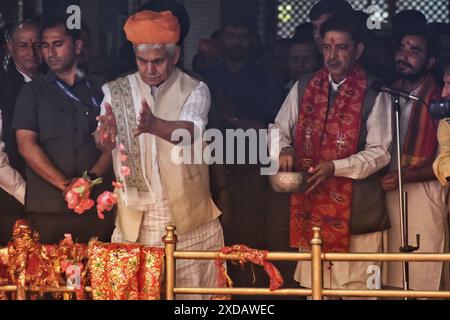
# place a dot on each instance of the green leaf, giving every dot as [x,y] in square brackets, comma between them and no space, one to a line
[79,190]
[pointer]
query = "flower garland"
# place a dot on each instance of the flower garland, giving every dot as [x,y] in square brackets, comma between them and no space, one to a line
[78,192]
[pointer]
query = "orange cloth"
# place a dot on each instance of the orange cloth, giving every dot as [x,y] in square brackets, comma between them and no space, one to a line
[151,27]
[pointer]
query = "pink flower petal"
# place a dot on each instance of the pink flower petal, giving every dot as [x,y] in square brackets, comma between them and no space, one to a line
[117,185]
[77,197]
[121,147]
[123,157]
[125,171]
[105,202]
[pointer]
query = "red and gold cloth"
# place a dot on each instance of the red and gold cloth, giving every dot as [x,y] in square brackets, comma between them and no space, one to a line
[72,258]
[114,271]
[3,270]
[40,267]
[420,145]
[151,273]
[247,254]
[125,271]
[327,133]
[4,258]
[23,242]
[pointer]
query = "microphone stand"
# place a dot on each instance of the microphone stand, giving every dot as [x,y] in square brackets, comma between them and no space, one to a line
[403,201]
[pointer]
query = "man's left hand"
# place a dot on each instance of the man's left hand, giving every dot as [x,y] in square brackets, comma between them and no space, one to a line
[147,120]
[389,182]
[320,173]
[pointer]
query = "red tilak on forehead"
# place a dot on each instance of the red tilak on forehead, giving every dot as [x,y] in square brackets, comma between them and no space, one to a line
[333,41]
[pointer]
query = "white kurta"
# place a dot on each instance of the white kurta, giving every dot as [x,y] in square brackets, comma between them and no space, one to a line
[345,275]
[209,237]
[348,275]
[10,179]
[427,216]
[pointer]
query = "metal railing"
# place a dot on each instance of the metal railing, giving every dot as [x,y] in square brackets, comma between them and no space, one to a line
[316,257]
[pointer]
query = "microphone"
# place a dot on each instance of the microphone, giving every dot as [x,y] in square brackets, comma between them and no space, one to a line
[378,86]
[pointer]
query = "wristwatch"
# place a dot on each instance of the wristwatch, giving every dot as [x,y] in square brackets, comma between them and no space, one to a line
[286,149]
[92,176]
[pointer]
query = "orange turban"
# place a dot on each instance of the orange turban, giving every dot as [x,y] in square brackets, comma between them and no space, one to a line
[151,27]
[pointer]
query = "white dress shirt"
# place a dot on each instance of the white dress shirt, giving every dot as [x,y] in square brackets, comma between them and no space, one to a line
[25,77]
[360,165]
[10,180]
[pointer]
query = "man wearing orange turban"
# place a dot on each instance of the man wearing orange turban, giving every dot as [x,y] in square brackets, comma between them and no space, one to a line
[140,113]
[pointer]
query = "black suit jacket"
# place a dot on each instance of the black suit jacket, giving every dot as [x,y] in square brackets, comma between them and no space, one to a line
[11,81]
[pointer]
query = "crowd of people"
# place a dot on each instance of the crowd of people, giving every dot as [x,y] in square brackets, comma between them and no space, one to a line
[60,118]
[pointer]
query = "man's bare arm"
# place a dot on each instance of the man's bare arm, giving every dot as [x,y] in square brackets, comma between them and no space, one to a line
[161,128]
[164,129]
[37,160]
[103,164]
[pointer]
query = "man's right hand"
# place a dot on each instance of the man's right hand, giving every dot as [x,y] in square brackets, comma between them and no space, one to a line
[105,135]
[286,161]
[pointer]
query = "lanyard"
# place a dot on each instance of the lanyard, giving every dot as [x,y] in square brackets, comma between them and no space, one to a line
[70,94]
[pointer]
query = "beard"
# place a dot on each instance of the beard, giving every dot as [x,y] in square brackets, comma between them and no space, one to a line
[410,74]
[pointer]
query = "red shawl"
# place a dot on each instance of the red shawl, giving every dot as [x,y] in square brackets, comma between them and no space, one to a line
[322,137]
[420,145]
